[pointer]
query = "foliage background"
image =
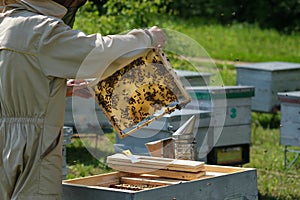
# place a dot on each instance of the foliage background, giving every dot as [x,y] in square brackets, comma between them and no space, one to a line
[282,15]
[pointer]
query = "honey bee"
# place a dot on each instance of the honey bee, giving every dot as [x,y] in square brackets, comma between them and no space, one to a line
[138,90]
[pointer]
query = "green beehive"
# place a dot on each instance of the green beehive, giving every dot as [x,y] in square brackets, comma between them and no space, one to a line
[229,132]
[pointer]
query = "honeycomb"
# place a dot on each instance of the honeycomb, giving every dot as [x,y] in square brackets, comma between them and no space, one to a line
[133,95]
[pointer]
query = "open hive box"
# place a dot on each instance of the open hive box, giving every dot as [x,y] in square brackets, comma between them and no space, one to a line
[145,177]
[214,182]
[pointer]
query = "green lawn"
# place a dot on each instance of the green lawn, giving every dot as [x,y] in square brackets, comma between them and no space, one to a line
[237,42]
[242,42]
[267,156]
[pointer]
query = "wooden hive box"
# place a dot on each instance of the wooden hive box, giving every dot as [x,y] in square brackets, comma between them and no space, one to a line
[230,128]
[220,182]
[192,78]
[268,78]
[290,118]
[87,115]
[236,100]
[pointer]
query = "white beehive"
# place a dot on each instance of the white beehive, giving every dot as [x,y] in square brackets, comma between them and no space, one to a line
[290,125]
[192,78]
[269,78]
[290,118]
[229,133]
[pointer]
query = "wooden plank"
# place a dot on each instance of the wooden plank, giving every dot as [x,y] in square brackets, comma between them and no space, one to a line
[155,167]
[224,169]
[157,161]
[133,180]
[155,148]
[161,148]
[161,173]
[99,180]
[176,162]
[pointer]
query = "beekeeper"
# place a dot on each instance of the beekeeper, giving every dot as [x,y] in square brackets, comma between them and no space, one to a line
[38,53]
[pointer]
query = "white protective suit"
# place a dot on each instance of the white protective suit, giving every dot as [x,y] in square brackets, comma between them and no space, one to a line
[38,53]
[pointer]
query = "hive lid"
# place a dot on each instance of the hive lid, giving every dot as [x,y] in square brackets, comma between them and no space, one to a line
[187,73]
[215,92]
[289,97]
[140,92]
[270,66]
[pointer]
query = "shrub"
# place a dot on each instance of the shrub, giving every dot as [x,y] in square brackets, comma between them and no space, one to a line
[280,14]
[117,16]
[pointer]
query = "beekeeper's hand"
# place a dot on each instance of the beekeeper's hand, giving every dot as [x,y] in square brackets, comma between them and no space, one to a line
[158,36]
[78,88]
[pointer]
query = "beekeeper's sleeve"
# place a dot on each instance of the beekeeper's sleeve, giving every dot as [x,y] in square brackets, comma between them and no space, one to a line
[71,53]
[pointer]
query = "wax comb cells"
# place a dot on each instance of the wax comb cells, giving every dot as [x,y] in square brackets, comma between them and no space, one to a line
[140,92]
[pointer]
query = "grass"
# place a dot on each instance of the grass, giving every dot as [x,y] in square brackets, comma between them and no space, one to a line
[241,42]
[267,156]
[82,161]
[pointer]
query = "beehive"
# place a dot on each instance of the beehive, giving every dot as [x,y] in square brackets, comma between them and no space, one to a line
[290,123]
[229,132]
[290,118]
[268,78]
[193,78]
[219,183]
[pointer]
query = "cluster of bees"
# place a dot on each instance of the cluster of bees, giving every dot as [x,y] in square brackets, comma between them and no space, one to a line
[132,187]
[148,99]
[138,90]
